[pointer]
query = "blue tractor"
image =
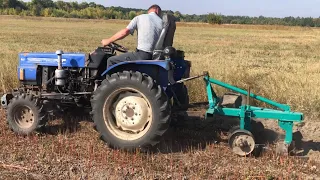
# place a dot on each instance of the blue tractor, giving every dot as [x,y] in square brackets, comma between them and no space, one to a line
[130,102]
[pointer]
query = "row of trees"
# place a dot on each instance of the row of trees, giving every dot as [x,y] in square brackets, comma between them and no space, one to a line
[49,8]
[287,21]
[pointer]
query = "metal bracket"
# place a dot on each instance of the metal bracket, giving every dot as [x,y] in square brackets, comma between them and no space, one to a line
[288,128]
[175,97]
[5,100]
[191,78]
[248,96]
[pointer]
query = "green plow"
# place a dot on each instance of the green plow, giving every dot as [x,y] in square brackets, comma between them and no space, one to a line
[241,140]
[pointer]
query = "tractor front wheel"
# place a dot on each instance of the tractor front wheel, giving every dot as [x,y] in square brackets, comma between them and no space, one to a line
[25,115]
[130,111]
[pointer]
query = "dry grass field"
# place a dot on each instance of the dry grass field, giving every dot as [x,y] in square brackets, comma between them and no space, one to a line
[280,63]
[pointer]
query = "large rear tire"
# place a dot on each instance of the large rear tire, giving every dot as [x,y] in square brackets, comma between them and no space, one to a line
[130,111]
[25,114]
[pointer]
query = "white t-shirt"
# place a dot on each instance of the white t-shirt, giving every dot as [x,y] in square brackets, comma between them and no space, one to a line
[149,28]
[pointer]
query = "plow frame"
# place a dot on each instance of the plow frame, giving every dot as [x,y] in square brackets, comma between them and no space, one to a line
[285,117]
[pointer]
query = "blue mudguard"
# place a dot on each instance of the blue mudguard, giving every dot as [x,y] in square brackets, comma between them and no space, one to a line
[163,71]
[157,69]
[160,63]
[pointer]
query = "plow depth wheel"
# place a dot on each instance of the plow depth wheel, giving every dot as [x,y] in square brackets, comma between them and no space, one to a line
[241,142]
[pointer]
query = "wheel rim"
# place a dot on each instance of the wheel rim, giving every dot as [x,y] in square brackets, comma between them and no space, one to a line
[24,117]
[127,114]
[242,142]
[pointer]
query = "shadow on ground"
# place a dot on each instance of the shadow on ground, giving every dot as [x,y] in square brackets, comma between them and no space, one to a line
[186,133]
[305,146]
[68,122]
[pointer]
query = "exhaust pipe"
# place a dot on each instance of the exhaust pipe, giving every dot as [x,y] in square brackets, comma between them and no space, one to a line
[60,74]
[59,53]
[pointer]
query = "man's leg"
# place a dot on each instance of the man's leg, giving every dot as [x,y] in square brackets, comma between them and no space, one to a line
[144,55]
[130,56]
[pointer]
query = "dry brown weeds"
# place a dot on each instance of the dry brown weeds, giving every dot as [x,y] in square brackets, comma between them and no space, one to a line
[281,63]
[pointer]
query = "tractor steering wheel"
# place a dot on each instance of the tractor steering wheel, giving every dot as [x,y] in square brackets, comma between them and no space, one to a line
[118,47]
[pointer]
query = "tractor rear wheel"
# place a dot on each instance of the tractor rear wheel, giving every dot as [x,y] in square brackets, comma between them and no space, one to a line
[25,115]
[130,111]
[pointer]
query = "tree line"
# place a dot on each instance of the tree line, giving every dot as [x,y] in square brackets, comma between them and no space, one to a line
[49,8]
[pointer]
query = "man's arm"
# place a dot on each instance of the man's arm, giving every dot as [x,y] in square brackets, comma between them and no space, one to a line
[122,33]
[119,35]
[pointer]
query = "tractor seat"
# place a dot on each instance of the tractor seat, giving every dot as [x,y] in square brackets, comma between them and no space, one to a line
[166,36]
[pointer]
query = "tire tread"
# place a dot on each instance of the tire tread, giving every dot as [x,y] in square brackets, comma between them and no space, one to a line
[160,99]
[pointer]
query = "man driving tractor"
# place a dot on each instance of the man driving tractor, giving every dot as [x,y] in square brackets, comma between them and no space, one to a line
[148,26]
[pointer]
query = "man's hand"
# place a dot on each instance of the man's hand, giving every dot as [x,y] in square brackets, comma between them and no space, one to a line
[119,35]
[105,42]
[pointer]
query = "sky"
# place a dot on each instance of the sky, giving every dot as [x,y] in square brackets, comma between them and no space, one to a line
[268,8]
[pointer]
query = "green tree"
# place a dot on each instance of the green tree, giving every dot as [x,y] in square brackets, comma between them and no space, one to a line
[47,12]
[214,18]
[74,5]
[118,14]
[60,4]
[9,3]
[36,10]
[132,14]
[66,6]
[59,13]
[92,4]
[42,3]
[178,15]
[83,5]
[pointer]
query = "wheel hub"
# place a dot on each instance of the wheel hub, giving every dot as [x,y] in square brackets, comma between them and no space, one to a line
[242,142]
[132,114]
[24,117]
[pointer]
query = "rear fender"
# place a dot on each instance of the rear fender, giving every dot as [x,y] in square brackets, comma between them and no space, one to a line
[116,67]
[160,71]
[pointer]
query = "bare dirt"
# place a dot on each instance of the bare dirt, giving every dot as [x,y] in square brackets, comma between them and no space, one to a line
[310,141]
[71,149]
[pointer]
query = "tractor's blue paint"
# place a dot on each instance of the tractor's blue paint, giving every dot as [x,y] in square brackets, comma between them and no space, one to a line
[163,64]
[30,73]
[51,59]
[30,61]
[180,67]
[160,70]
